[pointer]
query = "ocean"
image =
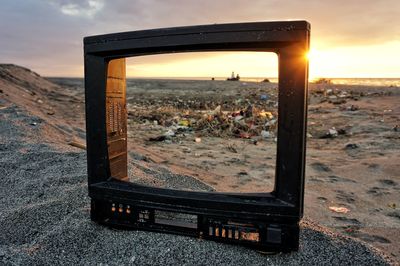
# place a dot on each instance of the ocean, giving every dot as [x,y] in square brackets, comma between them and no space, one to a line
[385,82]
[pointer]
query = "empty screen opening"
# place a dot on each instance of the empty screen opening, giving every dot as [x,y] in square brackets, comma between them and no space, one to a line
[202,121]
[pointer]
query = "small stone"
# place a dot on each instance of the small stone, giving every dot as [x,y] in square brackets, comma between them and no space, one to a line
[351,146]
[332,132]
[341,131]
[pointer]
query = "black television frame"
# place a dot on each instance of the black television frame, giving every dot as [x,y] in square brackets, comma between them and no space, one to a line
[270,219]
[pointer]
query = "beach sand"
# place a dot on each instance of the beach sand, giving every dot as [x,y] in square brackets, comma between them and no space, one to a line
[44,212]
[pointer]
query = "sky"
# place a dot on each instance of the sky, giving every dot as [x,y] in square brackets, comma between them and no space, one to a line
[349,38]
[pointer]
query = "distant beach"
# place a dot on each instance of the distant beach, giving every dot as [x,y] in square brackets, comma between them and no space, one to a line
[387,82]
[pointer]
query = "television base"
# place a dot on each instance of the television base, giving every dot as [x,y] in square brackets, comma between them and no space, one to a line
[261,235]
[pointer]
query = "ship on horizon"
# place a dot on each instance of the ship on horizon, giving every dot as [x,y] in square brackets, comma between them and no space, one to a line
[233,77]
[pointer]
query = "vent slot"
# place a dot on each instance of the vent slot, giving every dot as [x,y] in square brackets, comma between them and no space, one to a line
[175,219]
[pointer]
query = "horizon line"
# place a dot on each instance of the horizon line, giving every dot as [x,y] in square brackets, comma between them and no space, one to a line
[242,77]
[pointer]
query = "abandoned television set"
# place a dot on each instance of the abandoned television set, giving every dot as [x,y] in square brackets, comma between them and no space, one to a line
[266,221]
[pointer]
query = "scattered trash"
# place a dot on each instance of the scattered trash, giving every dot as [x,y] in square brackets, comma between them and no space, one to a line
[339,209]
[184,123]
[238,117]
[247,121]
[353,108]
[337,97]
[33,124]
[342,131]
[249,111]
[351,146]
[77,145]
[244,135]
[332,133]
[197,140]
[232,148]
[169,133]
[39,101]
[322,81]
[309,135]
[271,123]
[158,138]
[268,115]
[186,150]
[217,111]
[266,134]
[242,173]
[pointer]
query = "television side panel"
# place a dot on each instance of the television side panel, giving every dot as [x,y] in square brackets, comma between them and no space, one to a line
[116,119]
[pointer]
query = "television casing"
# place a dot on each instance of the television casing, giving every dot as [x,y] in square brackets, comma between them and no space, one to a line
[270,219]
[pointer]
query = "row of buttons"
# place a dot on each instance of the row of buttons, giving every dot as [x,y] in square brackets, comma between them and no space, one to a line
[121,208]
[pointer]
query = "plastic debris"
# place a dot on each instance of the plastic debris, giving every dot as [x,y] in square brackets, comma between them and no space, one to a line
[197,140]
[332,133]
[353,108]
[266,134]
[169,133]
[238,117]
[266,114]
[271,123]
[339,209]
[184,123]
[244,135]
[77,145]
[217,111]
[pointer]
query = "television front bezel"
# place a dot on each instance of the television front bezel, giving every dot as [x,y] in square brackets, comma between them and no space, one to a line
[288,39]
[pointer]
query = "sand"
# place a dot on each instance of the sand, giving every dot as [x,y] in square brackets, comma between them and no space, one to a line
[44,207]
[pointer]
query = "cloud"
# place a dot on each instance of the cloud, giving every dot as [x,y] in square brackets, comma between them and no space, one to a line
[80,8]
[48,34]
